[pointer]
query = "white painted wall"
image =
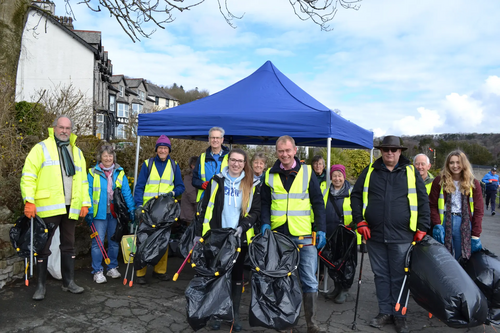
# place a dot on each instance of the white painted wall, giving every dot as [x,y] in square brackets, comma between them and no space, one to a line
[51,59]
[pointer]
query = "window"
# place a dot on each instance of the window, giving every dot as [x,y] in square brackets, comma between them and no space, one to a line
[122,91]
[123,110]
[99,126]
[112,100]
[136,109]
[120,131]
[142,95]
[157,100]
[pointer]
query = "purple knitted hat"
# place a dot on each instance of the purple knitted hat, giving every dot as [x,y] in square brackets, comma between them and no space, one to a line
[337,167]
[163,140]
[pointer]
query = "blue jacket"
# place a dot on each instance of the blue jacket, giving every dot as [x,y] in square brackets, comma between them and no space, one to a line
[160,166]
[103,198]
[491,182]
[211,166]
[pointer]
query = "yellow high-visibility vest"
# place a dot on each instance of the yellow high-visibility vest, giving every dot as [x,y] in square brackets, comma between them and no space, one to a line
[441,204]
[210,210]
[96,186]
[42,180]
[324,192]
[203,176]
[294,206]
[412,194]
[157,185]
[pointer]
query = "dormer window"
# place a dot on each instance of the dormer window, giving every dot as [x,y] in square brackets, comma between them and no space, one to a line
[122,91]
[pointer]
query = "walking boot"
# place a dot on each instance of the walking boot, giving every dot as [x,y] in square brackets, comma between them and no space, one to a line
[332,294]
[310,311]
[341,297]
[215,325]
[68,274]
[41,274]
[236,291]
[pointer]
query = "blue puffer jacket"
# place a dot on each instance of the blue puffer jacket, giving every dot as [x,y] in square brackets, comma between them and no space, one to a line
[102,204]
[491,181]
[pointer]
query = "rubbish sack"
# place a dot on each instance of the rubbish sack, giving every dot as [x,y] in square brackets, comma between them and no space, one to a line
[122,215]
[276,293]
[54,260]
[441,286]
[20,235]
[186,242]
[484,269]
[208,294]
[340,256]
[153,234]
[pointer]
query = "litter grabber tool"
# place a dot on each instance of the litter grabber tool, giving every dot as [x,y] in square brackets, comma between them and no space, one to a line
[354,327]
[188,258]
[407,273]
[99,243]
[312,237]
[131,255]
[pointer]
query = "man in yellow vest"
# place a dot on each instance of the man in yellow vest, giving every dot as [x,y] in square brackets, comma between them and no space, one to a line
[211,162]
[54,186]
[159,175]
[287,196]
[391,209]
[423,165]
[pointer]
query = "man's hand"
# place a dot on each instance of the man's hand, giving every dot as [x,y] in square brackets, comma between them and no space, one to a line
[84,211]
[364,230]
[265,227]
[238,232]
[204,185]
[438,233]
[320,239]
[419,235]
[29,210]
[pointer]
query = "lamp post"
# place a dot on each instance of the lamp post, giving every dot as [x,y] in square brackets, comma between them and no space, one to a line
[434,151]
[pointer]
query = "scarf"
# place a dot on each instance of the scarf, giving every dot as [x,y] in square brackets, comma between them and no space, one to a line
[108,172]
[69,166]
[465,233]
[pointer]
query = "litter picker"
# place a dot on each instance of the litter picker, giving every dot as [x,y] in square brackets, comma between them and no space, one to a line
[176,275]
[407,272]
[130,256]
[99,243]
[359,287]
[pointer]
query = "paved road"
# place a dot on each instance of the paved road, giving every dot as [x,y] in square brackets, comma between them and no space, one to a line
[160,306]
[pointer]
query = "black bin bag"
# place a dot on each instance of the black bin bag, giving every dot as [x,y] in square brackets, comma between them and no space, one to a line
[20,235]
[122,215]
[208,294]
[186,242]
[276,293]
[340,255]
[484,269]
[441,286]
[154,230]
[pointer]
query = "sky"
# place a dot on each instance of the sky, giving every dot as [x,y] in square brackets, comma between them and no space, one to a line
[393,67]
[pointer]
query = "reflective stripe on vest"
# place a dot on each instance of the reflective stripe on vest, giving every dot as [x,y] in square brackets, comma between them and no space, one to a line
[412,194]
[210,210]
[203,175]
[346,208]
[294,206]
[157,185]
[96,186]
[441,204]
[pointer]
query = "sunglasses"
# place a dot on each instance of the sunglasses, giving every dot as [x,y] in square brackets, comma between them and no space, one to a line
[386,150]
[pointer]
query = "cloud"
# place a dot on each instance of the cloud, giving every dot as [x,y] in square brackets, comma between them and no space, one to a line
[411,125]
[267,51]
[464,111]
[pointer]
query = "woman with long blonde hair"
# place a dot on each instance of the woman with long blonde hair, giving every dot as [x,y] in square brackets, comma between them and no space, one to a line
[456,204]
[236,204]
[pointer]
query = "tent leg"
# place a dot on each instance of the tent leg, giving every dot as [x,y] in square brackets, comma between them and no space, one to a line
[328,182]
[138,146]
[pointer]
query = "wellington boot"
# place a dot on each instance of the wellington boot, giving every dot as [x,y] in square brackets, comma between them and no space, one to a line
[310,312]
[332,294]
[68,274]
[41,273]
[341,297]
[236,291]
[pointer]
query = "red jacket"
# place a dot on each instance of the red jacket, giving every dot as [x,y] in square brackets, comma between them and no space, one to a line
[477,218]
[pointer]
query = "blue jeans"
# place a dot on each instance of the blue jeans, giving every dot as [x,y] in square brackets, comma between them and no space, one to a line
[308,264]
[456,236]
[105,227]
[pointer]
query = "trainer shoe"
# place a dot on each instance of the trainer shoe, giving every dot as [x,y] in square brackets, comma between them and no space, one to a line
[400,323]
[113,273]
[381,319]
[141,280]
[161,277]
[99,277]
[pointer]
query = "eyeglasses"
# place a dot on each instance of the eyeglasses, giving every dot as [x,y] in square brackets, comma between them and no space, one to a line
[386,150]
[216,138]
[233,160]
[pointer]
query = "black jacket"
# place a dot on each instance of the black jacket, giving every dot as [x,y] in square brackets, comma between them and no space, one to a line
[216,222]
[388,211]
[287,178]
[333,219]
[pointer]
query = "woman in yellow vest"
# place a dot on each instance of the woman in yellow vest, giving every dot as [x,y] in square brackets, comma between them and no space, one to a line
[103,179]
[456,204]
[232,200]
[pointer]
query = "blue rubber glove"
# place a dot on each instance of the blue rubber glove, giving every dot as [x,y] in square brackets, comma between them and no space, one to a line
[89,219]
[132,217]
[475,245]
[438,233]
[265,227]
[320,239]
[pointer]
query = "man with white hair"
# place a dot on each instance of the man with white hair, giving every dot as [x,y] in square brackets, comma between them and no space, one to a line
[423,165]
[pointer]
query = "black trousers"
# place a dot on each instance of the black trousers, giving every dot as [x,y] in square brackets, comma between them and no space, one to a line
[66,232]
[491,197]
[237,273]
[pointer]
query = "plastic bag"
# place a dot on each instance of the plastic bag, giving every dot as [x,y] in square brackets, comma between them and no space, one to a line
[208,294]
[54,260]
[340,256]
[186,242]
[20,235]
[122,215]
[276,293]
[484,269]
[153,234]
[440,285]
